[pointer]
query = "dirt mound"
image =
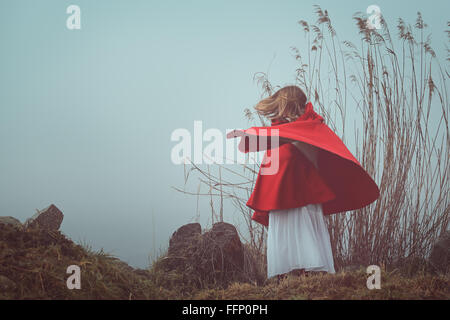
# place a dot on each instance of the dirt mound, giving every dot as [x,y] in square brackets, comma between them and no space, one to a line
[33,265]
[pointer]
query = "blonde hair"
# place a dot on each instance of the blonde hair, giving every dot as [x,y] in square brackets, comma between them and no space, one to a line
[287,103]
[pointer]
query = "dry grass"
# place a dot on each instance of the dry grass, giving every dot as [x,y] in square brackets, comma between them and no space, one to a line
[399,89]
[36,262]
[342,286]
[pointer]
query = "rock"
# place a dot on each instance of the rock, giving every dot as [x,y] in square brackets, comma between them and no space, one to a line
[216,256]
[11,221]
[183,238]
[49,219]
[226,246]
[440,254]
[6,284]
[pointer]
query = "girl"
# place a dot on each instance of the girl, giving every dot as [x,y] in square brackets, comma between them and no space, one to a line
[312,180]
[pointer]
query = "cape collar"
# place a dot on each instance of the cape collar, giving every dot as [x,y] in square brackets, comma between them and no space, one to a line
[309,114]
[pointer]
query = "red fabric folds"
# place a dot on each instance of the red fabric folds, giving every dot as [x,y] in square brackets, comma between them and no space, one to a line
[340,183]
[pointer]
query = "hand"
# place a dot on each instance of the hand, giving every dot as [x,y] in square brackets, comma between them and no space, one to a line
[235,133]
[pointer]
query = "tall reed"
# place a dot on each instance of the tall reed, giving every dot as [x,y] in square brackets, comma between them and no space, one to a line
[395,92]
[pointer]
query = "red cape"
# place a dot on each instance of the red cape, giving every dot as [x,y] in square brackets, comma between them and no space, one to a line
[340,183]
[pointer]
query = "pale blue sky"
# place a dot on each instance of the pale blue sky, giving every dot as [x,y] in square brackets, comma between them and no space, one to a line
[86,115]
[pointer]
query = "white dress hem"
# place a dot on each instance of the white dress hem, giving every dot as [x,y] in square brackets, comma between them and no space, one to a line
[298,239]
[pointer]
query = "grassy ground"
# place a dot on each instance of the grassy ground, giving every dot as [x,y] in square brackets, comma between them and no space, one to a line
[33,266]
[343,285]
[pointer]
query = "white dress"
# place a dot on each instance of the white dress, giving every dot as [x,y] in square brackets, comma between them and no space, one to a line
[298,238]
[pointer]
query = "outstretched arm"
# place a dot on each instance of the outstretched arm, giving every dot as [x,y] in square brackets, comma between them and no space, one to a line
[308,150]
[240,133]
